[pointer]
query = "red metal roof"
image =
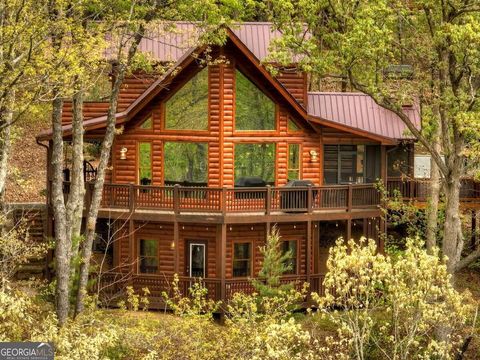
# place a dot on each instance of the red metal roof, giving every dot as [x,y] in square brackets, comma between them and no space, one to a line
[168,42]
[359,111]
[175,41]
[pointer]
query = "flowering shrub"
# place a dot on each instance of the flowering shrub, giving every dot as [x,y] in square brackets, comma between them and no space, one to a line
[393,307]
[24,318]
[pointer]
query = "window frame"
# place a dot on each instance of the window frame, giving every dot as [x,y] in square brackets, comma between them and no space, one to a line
[139,162]
[300,152]
[252,133]
[300,129]
[139,256]
[294,257]
[249,142]
[144,119]
[251,262]
[185,142]
[172,93]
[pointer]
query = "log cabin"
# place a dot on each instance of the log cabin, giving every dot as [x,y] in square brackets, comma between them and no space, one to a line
[214,154]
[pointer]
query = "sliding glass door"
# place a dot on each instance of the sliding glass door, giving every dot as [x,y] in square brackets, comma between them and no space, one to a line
[351,164]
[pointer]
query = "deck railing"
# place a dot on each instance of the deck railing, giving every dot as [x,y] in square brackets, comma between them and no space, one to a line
[261,200]
[113,286]
[264,200]
[419,189]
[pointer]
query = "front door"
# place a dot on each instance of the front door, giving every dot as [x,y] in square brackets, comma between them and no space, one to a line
[197,260]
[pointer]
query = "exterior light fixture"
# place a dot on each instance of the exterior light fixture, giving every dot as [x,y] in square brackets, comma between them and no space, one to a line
[123,153]
[172,245]
[313,156]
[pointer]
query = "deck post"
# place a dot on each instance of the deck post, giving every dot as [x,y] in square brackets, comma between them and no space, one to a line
[309,199]
[224,201]
[350,198]
[176,199]
[309,251]
[131,198]
[268,200]
[349,229]
[131,243]
[223,260]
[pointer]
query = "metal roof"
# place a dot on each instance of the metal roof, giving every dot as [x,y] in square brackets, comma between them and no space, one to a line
[169,41]
[358,110]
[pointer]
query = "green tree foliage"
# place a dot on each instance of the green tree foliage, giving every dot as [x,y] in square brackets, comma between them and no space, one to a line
[276,263]
[400,53]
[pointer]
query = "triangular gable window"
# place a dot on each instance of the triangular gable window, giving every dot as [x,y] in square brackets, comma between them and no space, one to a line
[147,124]
[253,109]
[187,109]
[292,126]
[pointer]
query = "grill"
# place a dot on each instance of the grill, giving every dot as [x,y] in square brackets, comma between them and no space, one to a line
[296,201]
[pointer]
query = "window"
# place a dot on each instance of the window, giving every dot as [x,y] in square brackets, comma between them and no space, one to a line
[290,247]
[293,161]
[241,259]
[147,124]
[185,163]
[351,164]
[148,261]
[187,109]
[145,163]
[255,160]
[292,126]
[253,109]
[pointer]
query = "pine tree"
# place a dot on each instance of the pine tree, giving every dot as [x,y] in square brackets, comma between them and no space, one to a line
[275,264]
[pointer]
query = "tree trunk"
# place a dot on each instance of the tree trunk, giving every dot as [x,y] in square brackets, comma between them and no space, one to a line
[86,248]
[452,237]
[434,198]
[5,142]
[77,186]
[62,243]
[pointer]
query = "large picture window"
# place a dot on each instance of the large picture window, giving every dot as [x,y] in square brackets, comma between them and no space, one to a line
[255,160]
[148,259]
[185,163]
[145,163]
[242,253]
[344,164]
[253,109]
[187,109]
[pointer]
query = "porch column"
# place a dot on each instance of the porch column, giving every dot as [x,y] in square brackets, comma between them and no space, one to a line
[383,164]
[349,229]
[131,245]
[309,250]
[176,263]
[223,259]
[382,229]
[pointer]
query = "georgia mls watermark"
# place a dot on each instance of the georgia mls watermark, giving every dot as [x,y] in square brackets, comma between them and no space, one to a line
[26,351]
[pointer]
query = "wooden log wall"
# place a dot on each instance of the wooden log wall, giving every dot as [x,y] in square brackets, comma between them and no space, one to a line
[256,234]
[295,82]
[163,233]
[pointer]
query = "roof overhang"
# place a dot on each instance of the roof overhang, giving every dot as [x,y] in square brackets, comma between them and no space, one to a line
[375,137]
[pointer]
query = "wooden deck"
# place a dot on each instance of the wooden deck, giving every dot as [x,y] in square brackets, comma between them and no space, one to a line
[418,190]
[236,202]
[243,205]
